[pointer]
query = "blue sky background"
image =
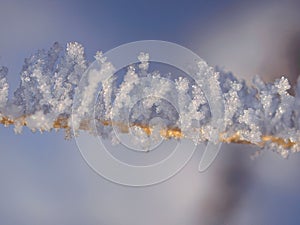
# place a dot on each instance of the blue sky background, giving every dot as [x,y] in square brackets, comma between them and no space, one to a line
[44,180]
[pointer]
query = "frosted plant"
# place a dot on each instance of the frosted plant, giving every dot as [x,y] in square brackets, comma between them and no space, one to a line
[263,114]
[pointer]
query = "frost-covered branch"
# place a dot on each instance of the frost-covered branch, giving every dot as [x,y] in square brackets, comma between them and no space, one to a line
[263,114]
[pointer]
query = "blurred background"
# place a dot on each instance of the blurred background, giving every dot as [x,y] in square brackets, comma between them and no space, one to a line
[44,179]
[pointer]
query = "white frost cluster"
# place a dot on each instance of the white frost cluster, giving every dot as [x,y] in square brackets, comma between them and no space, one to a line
[50,79]
[3,89]
[262,109]
[48,82]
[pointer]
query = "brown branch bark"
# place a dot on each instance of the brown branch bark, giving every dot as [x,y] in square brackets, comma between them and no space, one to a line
[62,123]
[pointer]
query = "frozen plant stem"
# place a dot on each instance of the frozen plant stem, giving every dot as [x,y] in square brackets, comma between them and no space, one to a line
[263,114]
[62,123]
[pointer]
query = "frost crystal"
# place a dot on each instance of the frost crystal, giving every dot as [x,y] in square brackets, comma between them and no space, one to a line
[3,88]
[143,58]
[3,91]
[263,114]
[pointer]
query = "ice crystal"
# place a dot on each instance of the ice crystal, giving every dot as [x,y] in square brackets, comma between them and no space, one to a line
[263,114]
[3,88]
[3,91]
